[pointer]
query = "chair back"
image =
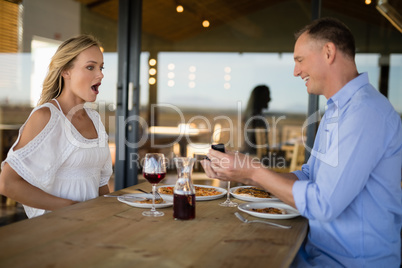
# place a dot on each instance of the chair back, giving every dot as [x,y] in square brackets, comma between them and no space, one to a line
[298,157]
[261,138]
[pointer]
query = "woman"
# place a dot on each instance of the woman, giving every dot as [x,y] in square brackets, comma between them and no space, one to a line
[253,118]
[61,156]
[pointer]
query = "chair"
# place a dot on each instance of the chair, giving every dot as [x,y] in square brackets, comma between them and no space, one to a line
[291,134]
[297,159]
[10,202]
[261,138]
[7,202]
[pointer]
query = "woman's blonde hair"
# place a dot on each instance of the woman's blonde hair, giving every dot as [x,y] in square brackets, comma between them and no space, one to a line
[63,60]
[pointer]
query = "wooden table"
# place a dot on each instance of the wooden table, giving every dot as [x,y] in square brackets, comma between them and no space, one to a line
[106,233]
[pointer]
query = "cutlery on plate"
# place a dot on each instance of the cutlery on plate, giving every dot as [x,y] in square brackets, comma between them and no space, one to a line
[240,217]
[139,198]
[117,195]
[157,196]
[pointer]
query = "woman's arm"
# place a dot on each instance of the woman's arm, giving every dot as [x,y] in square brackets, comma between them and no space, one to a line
[16,188]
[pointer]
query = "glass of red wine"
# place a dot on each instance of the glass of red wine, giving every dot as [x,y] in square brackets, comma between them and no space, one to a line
[154,170]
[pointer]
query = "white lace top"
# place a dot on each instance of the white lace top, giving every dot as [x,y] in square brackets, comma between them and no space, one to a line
[60,161]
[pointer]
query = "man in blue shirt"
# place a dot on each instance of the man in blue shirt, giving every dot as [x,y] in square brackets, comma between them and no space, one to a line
[350,188]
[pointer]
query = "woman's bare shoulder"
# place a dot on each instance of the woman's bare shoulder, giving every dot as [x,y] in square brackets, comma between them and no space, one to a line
[35,124]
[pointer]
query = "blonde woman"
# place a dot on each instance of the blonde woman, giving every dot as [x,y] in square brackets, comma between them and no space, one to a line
[61,156]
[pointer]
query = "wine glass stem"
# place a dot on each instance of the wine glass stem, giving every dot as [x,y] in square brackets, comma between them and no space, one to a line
[153,197]
[228,193]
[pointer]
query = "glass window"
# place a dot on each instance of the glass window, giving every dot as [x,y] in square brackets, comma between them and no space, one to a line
[223,80]
[395,82]
[198,83]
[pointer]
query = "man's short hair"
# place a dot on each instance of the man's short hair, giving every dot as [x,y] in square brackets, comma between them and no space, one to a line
[331,30]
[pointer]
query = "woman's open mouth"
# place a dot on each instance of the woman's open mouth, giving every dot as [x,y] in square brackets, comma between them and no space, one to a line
[95,88]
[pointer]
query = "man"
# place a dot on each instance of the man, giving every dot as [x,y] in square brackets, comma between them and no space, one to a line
[349,190]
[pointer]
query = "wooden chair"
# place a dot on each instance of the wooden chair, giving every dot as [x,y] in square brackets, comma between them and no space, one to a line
[291,134]
[6,201]
[261,138]
[297,159]
[10,202]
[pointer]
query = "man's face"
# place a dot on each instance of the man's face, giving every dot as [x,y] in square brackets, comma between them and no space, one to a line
[310,64]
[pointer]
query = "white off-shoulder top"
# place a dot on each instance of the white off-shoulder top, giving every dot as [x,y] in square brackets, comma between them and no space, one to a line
[60,161]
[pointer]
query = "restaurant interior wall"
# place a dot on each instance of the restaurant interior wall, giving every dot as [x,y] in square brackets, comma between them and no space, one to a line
[270,32]
[263,36]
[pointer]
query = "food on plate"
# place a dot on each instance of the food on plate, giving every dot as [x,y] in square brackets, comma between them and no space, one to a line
[165,190]
[206,191]
[199,191]
[252,192]
[149,201]
[269,210]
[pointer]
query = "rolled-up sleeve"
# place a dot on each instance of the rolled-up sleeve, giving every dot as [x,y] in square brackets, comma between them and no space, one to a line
[300,188]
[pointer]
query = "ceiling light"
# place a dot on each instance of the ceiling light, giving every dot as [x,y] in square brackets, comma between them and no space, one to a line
[368,2]
[152,62]
[170,75]
[171,66]
[170,83]
[179,9]
[152,71]
[205,23]
[152,81]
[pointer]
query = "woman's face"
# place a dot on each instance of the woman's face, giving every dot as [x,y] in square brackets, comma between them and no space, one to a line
[84,77]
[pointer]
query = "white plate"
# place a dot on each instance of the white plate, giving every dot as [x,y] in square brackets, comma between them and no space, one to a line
[127,199]
[290,211]
[197,198]
[249,198]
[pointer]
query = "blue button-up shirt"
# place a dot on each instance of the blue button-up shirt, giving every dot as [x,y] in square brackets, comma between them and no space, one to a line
[350,188]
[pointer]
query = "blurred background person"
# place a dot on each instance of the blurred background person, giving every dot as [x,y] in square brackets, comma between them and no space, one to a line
[254,120]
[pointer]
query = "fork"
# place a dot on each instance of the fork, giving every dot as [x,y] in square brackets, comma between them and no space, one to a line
[240,217]
[157,196]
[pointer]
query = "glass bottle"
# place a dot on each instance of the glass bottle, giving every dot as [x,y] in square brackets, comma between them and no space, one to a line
[184,191]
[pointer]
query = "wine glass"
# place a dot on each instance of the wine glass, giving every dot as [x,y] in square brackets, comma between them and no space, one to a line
[228,202]
[154,171]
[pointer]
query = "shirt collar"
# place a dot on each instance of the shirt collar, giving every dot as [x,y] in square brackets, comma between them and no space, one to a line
[345,94]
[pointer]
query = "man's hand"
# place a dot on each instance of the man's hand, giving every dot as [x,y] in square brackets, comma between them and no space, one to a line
[231,166]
